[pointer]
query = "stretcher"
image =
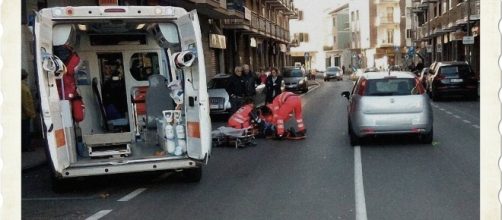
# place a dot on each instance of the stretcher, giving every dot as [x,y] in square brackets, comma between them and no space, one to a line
[233,136]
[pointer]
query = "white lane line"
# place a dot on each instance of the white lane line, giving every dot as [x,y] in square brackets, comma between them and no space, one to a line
[359,186]
[456,116]
[447,112]
[442,109]
[99,215]
[131,195]
[467,121]
[476,126]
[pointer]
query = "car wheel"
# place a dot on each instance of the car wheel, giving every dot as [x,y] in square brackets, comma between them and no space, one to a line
[427,137]
[192,175]
[354,140]
[434,95]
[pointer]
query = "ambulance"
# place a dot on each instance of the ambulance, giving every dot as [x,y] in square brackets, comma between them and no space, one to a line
[122,89]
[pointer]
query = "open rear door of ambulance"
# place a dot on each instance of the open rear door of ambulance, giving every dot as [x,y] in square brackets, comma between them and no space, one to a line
[51,105]
[196,97]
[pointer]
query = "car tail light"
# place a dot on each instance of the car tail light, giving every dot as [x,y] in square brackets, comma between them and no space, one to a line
[361,88]
[418,85]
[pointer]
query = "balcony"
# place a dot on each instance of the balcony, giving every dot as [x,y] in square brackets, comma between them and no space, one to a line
[285,5]
[295,14]
[380,21]
[212,8]
[235,9]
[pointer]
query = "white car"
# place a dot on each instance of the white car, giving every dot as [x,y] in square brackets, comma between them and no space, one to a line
[219,100]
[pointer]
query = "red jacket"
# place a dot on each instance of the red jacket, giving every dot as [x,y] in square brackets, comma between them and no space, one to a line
[241,118]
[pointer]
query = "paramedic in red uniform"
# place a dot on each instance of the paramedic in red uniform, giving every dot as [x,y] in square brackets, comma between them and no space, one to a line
[242,117]
[284,104]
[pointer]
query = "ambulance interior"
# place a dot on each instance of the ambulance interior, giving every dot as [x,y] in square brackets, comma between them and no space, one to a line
[123,78]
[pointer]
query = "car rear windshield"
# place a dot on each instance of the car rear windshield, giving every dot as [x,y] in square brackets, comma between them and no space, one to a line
[333,69]
[292,73]
[455,71]
[217,83]
[392,86]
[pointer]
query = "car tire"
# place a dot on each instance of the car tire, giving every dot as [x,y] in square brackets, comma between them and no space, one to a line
[192,175]
[427,137]
[354,140]
[434,95]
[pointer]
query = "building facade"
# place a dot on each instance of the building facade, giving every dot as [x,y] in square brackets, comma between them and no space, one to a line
[338,45]
[441,26]
[235,32]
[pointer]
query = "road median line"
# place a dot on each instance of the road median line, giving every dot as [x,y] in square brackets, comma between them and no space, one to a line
[131,195]
[361,213]
[99,215]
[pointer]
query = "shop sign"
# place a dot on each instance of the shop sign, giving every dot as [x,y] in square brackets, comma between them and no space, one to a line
[217,41]
[468,40]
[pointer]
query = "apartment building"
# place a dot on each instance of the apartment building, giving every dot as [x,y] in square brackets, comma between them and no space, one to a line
[441,26]
[338,43]
[235,32]
[260,37]
[378,37]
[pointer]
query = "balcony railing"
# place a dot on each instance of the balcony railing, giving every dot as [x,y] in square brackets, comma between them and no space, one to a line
[255,22]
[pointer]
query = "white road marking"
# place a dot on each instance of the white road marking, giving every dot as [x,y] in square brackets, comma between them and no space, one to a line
[447,112]
[99,215]
[476,126]
[456,116]
[131,195]
[467,121]
[442,109]
[359,186]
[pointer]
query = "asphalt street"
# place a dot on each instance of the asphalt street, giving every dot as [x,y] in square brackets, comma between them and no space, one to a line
[321,177]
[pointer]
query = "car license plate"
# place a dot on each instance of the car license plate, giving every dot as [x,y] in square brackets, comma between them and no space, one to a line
[456,80]
[213,106]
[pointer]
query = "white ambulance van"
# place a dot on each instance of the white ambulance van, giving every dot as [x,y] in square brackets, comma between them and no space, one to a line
[122,89]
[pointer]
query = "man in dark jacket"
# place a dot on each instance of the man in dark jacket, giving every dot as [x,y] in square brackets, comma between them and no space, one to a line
[273,85]
[250,80]
[236,89]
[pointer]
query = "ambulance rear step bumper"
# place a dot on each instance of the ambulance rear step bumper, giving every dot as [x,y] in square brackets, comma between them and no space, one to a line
[132,166]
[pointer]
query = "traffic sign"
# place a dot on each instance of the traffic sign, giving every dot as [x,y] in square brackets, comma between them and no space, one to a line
[468,40]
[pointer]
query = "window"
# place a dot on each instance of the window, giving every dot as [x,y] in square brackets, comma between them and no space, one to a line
[144,65]
[393,86]
[334,22]
[390,14]
[352,16]
[334,40]
[357,15]
[390,36]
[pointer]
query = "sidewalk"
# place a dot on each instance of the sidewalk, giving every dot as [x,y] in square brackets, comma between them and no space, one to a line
[34,158]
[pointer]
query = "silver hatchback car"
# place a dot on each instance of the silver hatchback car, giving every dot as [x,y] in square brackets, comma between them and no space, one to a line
[389,103]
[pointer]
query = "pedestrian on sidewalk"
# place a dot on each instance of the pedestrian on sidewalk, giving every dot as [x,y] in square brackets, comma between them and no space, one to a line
[236,89]
[273,85]
[251,79]
[27,112]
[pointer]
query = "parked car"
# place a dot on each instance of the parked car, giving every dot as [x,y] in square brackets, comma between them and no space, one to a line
[333,72]
[452,78]
[383,103]
[219,100]
[371,69]
[294,79]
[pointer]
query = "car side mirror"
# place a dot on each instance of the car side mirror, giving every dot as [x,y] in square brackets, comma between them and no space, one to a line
[346,94]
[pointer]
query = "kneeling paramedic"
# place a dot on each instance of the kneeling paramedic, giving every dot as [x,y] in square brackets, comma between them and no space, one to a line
[247,114]
[283,105]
